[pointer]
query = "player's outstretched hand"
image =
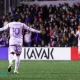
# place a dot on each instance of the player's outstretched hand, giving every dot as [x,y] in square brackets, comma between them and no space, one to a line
[42,31]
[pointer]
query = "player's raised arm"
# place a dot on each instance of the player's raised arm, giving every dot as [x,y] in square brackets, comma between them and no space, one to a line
[4,28]
[31,29]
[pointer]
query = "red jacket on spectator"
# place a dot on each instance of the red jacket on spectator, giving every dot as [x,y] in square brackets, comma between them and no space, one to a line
[51,32]
[39,16]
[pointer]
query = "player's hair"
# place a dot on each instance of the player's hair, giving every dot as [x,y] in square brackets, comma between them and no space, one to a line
[16,17]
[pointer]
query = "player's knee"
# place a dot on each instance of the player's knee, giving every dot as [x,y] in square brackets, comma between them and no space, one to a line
[12,53]
[17,54]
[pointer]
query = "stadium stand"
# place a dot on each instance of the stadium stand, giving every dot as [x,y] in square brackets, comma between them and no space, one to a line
[59,23]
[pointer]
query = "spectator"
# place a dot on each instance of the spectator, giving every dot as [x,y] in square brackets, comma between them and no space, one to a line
[27,39]
[5,22]
[51,31]
[51,43]
[59,23]
[42,43]
[4,40]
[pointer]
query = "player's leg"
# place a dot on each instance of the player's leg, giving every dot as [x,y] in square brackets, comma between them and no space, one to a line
[79,50]
[10,61]
[11,57]
[17,59]
[17,62]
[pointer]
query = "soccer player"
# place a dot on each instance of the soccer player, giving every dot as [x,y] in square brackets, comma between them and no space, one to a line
[78,34]
[16,40]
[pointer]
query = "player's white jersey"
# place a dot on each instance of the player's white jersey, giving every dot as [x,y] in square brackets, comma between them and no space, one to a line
[16,32]
[78,34]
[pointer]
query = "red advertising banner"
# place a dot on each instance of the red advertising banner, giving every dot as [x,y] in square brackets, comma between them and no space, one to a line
[74,54]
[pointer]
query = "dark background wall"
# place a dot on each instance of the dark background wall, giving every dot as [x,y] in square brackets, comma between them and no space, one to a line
[1,7]
[6,5]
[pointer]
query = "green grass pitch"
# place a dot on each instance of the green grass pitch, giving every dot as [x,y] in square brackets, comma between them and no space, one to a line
[43,70]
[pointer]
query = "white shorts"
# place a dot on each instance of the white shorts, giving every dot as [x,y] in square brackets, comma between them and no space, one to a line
[16,49]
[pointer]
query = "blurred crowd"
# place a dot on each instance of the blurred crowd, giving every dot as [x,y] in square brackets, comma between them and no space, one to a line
[39,0]
[58,22]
